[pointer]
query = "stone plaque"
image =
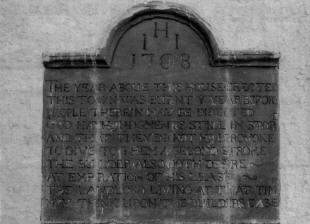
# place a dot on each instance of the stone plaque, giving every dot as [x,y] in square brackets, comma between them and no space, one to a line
[161,127]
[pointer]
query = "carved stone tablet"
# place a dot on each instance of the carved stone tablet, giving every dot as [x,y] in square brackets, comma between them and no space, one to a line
[161,127]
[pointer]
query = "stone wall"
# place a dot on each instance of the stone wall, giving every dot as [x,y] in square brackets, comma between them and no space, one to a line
[32,27]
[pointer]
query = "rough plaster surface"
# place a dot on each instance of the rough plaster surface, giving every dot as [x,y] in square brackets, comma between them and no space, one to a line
[30,27]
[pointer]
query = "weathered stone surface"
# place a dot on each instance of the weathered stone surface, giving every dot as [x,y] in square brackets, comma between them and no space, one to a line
[161,127]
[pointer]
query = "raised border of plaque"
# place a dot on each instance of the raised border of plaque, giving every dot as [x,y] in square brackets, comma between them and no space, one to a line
[55,63]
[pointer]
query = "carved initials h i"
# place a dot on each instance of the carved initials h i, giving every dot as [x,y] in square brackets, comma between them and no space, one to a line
[156,30]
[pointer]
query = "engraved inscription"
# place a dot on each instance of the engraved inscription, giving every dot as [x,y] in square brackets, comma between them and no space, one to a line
[161,135]
[165,60]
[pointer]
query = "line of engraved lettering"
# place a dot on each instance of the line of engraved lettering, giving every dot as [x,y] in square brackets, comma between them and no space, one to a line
[157,29]
[56,86]
[166,61]
[215,203]
[144,42]
[188,164]
[149,58]
[185,61]
[133,60]
[177,41]
[169,60]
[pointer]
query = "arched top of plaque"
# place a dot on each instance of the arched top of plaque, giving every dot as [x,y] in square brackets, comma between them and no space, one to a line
[162,12]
